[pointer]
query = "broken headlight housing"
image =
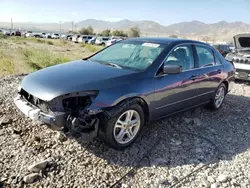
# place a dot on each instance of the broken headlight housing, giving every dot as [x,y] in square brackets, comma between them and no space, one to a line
[73,103]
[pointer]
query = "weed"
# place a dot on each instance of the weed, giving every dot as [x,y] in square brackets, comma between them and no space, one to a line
[40,41]
[6,63]
[50,43]
[38,59]
[90,47]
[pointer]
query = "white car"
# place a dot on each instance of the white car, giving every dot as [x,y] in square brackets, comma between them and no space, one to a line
[112,41]
[55,36]
[84,38]
[240,56]
[5,32]
[63,36]
[101,40]
[29,34]
[75,38]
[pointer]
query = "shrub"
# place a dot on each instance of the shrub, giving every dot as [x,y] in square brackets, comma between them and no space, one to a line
[134,32]
[90,47]
[1,35]
[40,41]
[50,43]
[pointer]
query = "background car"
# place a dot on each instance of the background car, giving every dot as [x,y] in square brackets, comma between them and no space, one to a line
[112,41]
[101,40]
[75,38]
[48,35]
[18,33]
[84,38]
[63,36]
[38,35]
[115,92]
[6,32]
[240,56]
[92,40]
[29,34]
[69,37]
[224,49]
[55,36]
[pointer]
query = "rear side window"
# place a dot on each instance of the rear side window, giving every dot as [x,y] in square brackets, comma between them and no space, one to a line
[205,56]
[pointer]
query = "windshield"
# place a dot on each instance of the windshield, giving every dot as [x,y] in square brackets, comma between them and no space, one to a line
[135,55]
[244,42]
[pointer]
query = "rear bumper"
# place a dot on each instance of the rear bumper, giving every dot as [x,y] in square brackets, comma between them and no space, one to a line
[35,113]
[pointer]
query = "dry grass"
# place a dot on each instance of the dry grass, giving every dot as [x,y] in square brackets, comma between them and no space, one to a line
[23,55]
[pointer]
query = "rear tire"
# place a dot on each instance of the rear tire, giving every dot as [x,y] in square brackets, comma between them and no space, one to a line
[218,98]
[121,130]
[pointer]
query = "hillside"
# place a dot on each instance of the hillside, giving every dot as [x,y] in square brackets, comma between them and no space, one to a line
[195,29]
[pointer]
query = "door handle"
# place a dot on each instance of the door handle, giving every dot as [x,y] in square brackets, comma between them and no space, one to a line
[219,71]
[193,77]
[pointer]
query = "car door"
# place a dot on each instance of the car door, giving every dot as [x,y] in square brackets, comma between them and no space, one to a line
[210,72]
[176,92]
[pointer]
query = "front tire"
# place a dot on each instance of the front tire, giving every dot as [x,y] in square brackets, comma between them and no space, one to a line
[219,97]
[122,130]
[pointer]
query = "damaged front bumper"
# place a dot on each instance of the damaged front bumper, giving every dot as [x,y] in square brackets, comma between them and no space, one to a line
[33,112]
[87,131]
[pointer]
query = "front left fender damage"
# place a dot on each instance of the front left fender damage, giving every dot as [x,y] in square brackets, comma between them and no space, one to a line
[79,121]
[73,113]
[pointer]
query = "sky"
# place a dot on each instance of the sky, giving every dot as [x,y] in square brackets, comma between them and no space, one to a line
[165,12]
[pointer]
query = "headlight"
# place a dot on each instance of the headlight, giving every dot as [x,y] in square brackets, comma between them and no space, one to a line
[73,101]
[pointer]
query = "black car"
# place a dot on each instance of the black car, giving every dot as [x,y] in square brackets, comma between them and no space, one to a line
[115,92]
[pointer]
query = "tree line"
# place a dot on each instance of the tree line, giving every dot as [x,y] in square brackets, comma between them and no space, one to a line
[132,32]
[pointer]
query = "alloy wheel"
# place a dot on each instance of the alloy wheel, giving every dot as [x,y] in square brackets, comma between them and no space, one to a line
[219,97]
[127,126]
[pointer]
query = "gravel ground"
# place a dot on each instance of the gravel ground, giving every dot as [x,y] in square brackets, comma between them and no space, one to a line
[198,148]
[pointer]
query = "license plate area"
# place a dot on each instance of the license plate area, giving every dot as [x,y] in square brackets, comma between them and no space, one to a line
[243,75]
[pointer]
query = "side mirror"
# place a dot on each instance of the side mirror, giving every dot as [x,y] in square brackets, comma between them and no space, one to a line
[172,69]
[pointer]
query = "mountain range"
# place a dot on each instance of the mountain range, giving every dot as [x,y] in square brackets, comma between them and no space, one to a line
[220,31]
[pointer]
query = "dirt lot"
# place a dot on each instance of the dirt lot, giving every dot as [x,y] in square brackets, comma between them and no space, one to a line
[167,151]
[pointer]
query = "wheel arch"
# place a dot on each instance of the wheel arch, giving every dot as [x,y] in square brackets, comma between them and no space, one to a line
[225,82]
[125,102]
[142,102]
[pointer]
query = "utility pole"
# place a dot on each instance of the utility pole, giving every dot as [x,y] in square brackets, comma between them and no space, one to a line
[11,26]
[60,27]
[75,28]
[72,27]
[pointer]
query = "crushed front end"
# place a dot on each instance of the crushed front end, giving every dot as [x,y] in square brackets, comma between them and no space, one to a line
[240,56]
[242,64]
[68,112]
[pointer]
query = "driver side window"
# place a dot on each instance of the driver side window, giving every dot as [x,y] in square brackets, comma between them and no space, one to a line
[183,56]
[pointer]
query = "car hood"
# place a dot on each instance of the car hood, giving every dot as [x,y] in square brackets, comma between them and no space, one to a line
[74,76]
[242,41]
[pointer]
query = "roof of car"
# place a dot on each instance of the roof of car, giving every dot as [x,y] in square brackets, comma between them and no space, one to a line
[163,40]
